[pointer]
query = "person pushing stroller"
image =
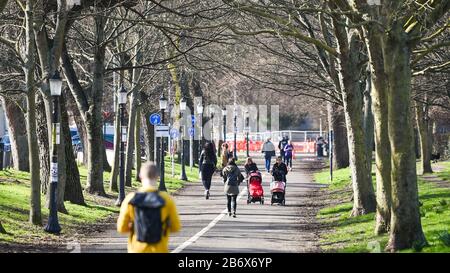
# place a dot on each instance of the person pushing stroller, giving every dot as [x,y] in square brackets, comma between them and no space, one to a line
[278,185]
[279,170]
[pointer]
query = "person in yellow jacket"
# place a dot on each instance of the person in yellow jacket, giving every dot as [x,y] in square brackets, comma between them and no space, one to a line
[169,215]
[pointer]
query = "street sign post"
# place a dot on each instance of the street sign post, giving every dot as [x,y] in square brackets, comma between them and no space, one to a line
[174,134]
[162,131]
[155,119]
[191,131]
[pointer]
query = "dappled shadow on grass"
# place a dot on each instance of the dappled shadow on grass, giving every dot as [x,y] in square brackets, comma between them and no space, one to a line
[343,209]
[103,208]
[434,195]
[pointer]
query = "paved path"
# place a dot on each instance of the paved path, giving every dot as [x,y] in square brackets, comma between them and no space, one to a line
[257,228]
[434,178]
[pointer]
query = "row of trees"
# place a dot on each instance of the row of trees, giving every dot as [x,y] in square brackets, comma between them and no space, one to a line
[369,66]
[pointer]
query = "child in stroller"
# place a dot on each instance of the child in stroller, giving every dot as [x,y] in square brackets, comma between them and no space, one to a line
[278,185]
[254,183]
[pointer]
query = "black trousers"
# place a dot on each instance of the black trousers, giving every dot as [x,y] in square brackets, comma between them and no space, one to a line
[232,201]
[207,173]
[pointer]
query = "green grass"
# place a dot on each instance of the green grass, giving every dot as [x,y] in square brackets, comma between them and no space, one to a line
[356,234]
[15,196]
[174,182]
[14,211]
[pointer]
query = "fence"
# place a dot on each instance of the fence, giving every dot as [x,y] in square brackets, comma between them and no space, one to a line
[304,142]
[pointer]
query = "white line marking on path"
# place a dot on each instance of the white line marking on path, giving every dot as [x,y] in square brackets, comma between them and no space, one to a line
[208,227]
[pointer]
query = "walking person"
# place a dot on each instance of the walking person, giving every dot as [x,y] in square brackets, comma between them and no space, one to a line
[288,153]
[279,170]
[148,216]
[281,145]
[269,151]
[207,166]
[226,154]
[250,166]
[232,178]
[320,144]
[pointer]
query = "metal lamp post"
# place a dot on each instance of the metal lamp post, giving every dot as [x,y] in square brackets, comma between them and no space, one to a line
[122,101]
[235,134]
[55,91]
[247,129]
[224,114]
[162,107]
[212,127]
[200,120]
[183,167]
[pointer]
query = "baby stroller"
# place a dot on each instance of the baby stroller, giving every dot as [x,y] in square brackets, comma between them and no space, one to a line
[255,189]
[278,189]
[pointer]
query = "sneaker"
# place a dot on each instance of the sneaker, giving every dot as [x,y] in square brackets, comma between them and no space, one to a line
[234,214]
[207,194]
[229,214]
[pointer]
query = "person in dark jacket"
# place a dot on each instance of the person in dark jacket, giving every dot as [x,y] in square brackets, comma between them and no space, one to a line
[283,142]
[250,166]
[279,170]
[288,154]
[207,165]
[232,178]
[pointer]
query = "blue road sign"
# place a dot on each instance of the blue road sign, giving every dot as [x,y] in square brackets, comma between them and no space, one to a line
[192,131]
[155,119]
[193,119]
[174,133]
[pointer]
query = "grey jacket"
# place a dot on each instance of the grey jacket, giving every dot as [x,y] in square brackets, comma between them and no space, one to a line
[231,190]
[268,149]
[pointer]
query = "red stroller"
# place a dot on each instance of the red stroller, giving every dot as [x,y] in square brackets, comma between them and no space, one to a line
[255,189]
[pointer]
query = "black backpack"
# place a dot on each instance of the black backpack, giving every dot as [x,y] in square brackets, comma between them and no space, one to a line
[147,223]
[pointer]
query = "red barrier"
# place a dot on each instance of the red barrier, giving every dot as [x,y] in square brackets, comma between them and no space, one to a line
[255,146]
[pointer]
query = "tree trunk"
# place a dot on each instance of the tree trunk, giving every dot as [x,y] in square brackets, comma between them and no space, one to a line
[350,75]
[93,116]
[43,144]
[406,227]
[336,121]
[130,138]
[382,145]
[71,105]
[106,166]
[73,191]
[34,162]
[95,162]
[17,133]
[149,139]
[423,126]
[137,142]
[2,229]
[35,216]
[113,186]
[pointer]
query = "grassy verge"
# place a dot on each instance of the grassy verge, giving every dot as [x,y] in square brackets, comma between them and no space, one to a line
[355,234]
[14,207]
